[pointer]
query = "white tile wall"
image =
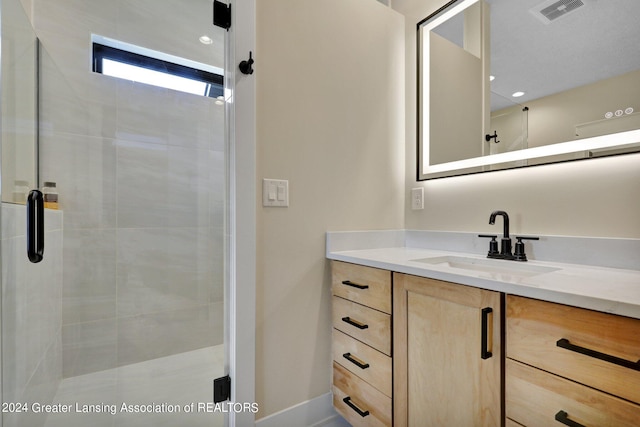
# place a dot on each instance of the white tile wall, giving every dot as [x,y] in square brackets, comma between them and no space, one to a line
[85,167]
[90,274]
[180,379]
[31,317]
[140,172]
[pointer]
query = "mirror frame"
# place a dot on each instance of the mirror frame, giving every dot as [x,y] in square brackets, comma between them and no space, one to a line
[542,155]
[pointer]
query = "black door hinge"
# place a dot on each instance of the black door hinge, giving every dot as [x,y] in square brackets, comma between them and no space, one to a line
[221,389]
[221,15]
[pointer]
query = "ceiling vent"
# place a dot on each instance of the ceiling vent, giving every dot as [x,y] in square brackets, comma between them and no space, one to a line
[551,10]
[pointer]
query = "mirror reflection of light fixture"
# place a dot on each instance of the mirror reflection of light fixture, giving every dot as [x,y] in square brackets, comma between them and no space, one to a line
[586,144]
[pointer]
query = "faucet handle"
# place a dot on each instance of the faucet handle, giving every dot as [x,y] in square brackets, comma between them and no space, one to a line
[493,244]
[519,254]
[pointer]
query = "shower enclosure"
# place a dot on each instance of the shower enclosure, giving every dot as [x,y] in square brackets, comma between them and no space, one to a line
[123,321]
[509,123]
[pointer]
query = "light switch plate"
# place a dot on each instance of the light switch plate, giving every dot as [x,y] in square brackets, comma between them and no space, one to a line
[275,192]
[417,198]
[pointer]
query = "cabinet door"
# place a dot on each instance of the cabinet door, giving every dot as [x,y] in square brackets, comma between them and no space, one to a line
[447,354]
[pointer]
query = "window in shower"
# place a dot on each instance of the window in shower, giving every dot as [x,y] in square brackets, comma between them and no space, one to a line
[125,61]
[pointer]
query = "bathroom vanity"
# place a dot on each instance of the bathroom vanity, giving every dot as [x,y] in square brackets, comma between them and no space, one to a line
[473,341]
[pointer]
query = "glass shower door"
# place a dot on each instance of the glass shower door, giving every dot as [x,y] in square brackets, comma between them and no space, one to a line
[123,321]
[18,103]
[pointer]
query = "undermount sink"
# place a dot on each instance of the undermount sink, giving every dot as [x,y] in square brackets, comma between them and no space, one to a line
[485,265]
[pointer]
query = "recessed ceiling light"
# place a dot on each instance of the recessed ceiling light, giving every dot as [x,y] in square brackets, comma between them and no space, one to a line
[517,94]
[492,78]
[206,40]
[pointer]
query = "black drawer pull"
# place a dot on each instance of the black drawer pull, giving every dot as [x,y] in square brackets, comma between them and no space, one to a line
[563,417]
[350,404]
[355,361]
[355,323]
[355,285]
[564,343]
[485,337]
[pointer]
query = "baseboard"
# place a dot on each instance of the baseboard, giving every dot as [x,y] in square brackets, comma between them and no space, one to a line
[316,412]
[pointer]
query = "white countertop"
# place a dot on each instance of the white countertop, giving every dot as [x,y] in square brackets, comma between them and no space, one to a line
[609,290]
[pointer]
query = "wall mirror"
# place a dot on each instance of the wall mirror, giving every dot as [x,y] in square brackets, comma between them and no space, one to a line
[506,84]
[19,103]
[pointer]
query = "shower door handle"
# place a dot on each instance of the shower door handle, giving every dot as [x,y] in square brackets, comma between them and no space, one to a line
[35,226]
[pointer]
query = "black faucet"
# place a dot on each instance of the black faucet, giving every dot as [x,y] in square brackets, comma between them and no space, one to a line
[505,243]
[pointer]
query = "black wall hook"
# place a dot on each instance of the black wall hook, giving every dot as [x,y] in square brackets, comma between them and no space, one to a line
[488,137]
[246,66]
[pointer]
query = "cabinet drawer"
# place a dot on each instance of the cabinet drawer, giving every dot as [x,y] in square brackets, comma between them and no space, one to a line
[363,361]
[596,349]
[535,398]
[363,323]
[365,405]
[365,285]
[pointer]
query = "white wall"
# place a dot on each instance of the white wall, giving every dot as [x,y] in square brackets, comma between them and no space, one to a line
[554,118]
[596,197]
[330,120]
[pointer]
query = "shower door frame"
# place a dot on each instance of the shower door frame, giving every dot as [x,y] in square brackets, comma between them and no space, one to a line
[240,301]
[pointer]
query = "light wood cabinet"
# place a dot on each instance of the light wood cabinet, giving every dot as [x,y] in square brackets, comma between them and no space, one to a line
[358,401]
[447,354]
[412,351]
[363,323]
[367,286]
[571,366]
[362,363]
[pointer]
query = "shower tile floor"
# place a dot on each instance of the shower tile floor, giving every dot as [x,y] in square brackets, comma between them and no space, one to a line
[180,379]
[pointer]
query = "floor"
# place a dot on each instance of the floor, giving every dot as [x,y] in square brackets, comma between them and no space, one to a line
[172,383]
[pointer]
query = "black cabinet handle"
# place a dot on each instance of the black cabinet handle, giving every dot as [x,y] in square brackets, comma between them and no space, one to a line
[563,417]
[350,404]
[564,343]
[355,323]
[355,285]
[355,361]
[484,350]
[35,226]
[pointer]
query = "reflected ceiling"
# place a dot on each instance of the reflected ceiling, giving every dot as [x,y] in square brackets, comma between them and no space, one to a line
[597,40]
